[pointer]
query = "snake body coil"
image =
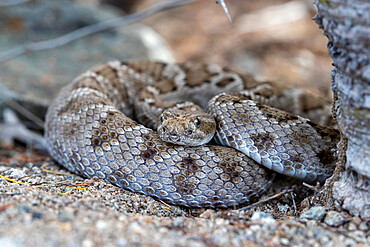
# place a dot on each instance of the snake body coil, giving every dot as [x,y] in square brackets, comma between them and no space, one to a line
[89,130]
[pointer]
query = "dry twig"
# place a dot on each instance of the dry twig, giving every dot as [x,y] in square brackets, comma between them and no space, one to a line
[8,3]
[266,199]
[13,129]
[91,29]
[223,4]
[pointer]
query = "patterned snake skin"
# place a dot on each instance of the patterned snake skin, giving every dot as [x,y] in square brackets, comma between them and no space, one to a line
[89,130]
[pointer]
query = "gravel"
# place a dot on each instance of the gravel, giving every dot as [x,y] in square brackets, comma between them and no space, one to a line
[55,208]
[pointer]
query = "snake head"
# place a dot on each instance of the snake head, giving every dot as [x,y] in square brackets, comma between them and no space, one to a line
[186,128]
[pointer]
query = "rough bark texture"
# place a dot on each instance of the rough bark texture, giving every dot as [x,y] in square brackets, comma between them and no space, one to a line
[346,23]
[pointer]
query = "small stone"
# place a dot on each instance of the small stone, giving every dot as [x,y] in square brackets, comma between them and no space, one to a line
[255,228]
[208,214]
[107,196]
[356,220]
[122,242]
[87,243]
[63,217]
[334,218]
[35,202]
[310,224]
[9,242]
[357,235]
[352,227]
[100,225]
[284,241]
[349,242]
[221,240]
[37,216]
[262,216]
[24,209]
[324,239]
[178,222]
[221,222]
[315,213]
[29,165]
[364,226]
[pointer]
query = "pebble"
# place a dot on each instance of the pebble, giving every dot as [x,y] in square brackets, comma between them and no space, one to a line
[315,213]
[24,209]
[334,218]
[284,241]
[122,242]
[62,217]
[263,217]
[100,225]
[37,216]
[87,243]
[350,243]
[357,235]
[9,242]
[178,222]
[356,220]
[364,226]
[352,226]
[35,202]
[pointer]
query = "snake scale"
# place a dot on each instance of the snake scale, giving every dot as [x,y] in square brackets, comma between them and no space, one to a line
[90,130]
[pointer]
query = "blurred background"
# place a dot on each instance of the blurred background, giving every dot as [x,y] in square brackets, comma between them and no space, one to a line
[271,39]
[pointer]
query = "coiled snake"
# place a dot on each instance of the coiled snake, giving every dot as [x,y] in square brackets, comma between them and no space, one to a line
[89,130]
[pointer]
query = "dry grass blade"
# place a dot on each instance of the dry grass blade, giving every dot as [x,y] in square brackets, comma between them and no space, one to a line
[266,199]
[223,4]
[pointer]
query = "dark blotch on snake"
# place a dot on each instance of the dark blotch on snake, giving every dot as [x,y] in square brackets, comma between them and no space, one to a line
[149,190]
[149,154]
[188,160]
[96,141]
[260,138]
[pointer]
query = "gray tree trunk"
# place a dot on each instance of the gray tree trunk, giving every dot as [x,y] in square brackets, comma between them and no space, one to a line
[346,23]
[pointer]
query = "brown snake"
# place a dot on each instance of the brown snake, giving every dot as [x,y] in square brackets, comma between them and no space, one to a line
[89,130]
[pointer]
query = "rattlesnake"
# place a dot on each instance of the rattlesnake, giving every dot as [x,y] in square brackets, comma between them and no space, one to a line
[89,130]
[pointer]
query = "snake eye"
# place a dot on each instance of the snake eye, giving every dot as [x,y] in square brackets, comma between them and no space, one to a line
[197,122]
[190,132]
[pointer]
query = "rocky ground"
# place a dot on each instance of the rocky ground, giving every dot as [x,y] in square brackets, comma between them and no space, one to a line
[42,204]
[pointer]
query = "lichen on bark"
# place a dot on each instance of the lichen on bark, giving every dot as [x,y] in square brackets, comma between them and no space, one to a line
[346,23]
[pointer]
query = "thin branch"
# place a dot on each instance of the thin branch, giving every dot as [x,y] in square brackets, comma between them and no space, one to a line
[91,29]
[8,3]
[223,4]
[13,129]
[24,112]
[266,200]
[294,205]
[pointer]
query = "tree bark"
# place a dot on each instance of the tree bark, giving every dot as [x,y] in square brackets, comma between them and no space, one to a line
[346,23]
